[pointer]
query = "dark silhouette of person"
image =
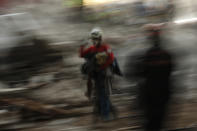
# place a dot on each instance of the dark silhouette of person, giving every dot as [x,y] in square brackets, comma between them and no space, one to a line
[153,72]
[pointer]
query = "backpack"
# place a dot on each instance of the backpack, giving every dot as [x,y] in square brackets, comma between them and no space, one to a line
[89,64]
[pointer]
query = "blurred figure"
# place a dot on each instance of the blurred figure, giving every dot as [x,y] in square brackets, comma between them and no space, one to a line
[99,58]
[30,55]
[153,72]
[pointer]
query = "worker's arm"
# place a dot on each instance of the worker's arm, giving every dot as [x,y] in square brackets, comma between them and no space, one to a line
[84,51]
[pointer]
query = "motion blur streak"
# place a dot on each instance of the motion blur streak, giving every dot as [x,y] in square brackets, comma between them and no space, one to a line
[137,70]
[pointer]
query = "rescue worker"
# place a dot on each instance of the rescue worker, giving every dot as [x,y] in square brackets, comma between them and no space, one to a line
[100,57]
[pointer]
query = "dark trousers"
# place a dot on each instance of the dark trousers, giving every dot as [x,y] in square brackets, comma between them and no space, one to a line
[102,95]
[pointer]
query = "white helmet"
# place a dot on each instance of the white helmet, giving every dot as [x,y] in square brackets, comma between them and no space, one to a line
[96,33]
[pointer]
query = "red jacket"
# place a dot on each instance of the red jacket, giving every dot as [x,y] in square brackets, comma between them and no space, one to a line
[101,48]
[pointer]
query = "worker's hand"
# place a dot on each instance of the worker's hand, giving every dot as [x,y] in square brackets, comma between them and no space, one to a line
[85,42]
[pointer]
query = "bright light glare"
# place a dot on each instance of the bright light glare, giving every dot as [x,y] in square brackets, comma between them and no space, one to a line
[94,2]
[184,21]
[13,14]
[99,1]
